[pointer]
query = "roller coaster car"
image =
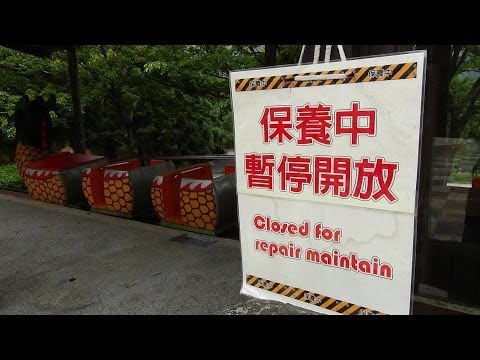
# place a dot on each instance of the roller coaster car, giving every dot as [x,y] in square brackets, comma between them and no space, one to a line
[197,198]
[57,178]
[123,188]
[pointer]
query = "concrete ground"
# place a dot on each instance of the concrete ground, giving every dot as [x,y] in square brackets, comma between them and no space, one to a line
[57,260]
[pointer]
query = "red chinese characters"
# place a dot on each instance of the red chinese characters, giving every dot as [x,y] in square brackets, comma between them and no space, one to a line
[374,179]
[296,171]
[259,170]
[353,115]
[332,174]
[313,124]
[340,176]
[276,123]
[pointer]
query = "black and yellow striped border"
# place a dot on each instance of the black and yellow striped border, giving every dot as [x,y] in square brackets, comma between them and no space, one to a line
[354,75]
[325,302]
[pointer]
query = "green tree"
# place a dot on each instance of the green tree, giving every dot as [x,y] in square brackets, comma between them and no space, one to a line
[157,100]
[32,76]
[464,91]
[136,100]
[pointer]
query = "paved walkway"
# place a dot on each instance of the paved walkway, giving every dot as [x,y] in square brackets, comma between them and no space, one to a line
[57,260]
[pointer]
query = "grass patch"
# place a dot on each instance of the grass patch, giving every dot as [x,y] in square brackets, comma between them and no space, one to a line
[9,177]
[460,178]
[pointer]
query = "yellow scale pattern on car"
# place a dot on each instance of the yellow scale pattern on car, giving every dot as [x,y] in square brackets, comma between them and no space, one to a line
[87,190]
[118,195]
[51,190]
[198,209]
[157,197]
[25,154]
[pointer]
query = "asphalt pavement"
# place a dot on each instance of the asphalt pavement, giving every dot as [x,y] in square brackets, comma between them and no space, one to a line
[58,260]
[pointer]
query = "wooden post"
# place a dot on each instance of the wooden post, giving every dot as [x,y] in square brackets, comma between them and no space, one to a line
[308,54]
[79,133]
[440,55]
[270,55]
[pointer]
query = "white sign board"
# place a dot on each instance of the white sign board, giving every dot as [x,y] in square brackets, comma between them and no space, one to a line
[327,179]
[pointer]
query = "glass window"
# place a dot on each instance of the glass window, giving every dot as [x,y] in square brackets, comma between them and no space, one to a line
[448,257]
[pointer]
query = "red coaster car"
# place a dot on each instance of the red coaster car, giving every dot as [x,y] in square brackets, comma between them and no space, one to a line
[122,188]
[194,199]
[57,178]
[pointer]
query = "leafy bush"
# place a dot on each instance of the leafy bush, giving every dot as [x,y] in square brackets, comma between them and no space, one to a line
[9,177]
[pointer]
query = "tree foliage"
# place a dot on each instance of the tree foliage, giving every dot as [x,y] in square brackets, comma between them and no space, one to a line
[463,108]
[175,99]
[136,100]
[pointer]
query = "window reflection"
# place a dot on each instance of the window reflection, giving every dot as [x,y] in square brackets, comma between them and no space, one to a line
[452,259]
